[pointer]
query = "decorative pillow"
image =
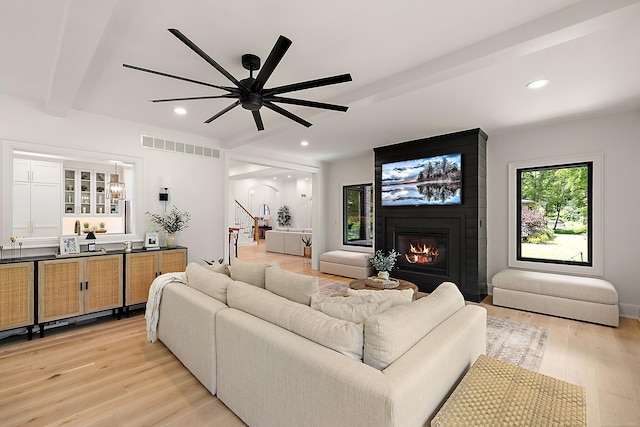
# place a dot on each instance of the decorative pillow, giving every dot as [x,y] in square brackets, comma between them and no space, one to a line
[218,268]
[249,272]
[397,297]
[357,299]
[339,335]
[350,310]
[292,286]
[389,335]
[208,282]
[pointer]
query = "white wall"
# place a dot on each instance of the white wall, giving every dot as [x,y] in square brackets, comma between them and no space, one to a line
[617,137]
[251,193]
[195,180]
[357,170]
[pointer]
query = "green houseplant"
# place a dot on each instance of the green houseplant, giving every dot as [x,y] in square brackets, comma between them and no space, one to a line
[384,263]
[284,216]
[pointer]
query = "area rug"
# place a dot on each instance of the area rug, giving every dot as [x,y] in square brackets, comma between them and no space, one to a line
[513,342]
[517,343]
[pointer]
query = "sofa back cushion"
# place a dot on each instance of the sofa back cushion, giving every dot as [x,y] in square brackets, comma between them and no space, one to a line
[218,268]
[354,309]
[292,286]
[396,296]
[339,335]
[389,335]
[208,282]
[249,272]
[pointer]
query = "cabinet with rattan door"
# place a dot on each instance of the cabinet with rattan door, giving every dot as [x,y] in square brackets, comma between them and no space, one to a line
[143,267]
[75,286]
[16,296]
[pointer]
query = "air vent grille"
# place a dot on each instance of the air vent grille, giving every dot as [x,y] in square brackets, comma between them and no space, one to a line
[178,147]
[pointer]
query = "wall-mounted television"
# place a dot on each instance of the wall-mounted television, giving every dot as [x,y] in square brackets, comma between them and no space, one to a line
[433,180]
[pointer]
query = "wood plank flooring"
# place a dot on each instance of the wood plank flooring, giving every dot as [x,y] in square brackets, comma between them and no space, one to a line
[105,373]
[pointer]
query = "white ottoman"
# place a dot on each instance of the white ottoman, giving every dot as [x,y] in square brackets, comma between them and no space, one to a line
[575,297]
[348,264]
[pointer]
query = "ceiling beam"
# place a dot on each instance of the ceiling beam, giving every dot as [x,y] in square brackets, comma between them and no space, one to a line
[81,30]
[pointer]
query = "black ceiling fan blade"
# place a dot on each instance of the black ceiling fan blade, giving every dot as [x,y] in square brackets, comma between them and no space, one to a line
[286,113]
[192,98]
[306,103]
[258,119]
[278,51]
[342,78]
[160,73]
[212,118]
[204,56]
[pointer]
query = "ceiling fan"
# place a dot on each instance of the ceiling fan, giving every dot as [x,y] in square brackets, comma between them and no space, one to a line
[250,93]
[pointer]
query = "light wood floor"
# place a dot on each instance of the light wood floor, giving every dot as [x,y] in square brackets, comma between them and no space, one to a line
[105,373]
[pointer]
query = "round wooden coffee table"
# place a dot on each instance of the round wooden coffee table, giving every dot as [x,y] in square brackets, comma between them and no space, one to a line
[403,284]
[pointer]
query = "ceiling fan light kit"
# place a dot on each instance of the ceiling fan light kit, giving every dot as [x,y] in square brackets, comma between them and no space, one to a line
[250,92]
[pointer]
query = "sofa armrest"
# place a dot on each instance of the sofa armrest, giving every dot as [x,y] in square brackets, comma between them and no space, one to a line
[425,375]
[187,327]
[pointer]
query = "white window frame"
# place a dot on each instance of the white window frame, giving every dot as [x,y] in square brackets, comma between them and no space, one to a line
[597,220]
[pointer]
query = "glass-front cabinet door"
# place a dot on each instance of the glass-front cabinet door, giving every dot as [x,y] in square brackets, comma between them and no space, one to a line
[69,191]
[85,191]
[101,182]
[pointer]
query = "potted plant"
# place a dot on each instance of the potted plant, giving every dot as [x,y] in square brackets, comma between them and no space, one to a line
[102,225]
[171,222]
[86,227]
[384,263]
[306,241]
[284,217]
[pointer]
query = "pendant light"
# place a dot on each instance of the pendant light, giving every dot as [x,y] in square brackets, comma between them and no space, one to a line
[115,189]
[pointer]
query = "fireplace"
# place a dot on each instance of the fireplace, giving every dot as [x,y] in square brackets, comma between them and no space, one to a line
[437,242]
[422,251]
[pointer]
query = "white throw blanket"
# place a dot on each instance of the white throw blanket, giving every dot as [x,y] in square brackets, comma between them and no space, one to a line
[152,312]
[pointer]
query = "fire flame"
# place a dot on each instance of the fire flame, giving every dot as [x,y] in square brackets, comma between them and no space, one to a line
[422,254]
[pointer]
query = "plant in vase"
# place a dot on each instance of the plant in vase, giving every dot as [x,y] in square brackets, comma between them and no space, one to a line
[306,241]
[384,263]
[171,222]
[86,227]
[284,216]
[102,225]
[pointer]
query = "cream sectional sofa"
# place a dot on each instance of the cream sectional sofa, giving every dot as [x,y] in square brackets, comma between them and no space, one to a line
[254,340]
[286,240]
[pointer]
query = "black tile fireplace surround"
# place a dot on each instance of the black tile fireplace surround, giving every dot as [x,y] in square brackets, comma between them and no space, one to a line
[456,233]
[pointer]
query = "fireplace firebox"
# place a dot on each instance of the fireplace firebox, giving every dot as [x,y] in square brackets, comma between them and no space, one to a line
[422,251]
[437,242]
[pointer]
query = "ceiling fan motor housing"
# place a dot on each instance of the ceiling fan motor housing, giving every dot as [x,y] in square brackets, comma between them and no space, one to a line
[250,100]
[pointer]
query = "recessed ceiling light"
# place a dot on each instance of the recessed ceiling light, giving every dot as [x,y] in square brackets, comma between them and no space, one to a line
[537,84]
[180,111]
[304,143]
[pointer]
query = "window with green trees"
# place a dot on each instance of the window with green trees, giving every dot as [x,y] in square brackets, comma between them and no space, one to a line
[554,222]
[357,218]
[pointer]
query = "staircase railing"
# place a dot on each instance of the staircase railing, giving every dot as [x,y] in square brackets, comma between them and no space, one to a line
[245,221]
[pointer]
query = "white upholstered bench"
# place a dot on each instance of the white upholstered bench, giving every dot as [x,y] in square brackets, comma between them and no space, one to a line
[347,264]
[581,298]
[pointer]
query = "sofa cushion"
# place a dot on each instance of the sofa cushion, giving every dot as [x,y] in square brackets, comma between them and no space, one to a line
[218,268]
[358,259]
[293,286]
[389,335]
[249,272]
[397,297]
[339,335]
[208,282]
[356,312]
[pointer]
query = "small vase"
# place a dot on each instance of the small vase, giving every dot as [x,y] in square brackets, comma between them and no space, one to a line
[307,251]
[171,241]
[384,275]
